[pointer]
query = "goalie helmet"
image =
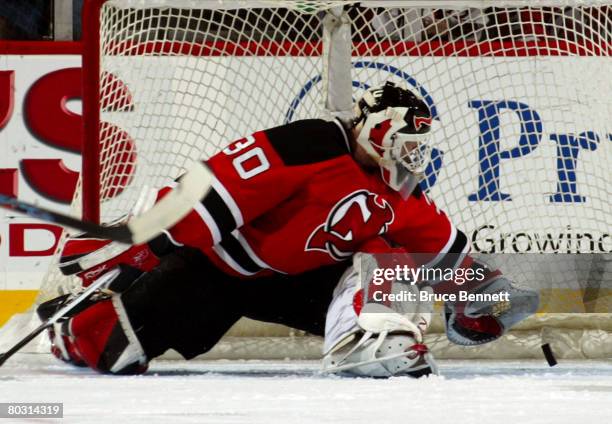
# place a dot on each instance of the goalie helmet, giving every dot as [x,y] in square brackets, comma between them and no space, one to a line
[394,128]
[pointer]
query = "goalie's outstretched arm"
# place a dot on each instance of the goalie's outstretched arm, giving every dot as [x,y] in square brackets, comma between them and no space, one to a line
[247,179]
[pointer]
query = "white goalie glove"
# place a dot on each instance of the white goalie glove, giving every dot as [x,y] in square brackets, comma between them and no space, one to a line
[376,340]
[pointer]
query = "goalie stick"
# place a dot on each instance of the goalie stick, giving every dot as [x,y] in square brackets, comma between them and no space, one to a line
[98,284]
[191,188]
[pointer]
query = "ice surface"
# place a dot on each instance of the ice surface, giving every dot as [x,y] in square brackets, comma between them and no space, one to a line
[294,392]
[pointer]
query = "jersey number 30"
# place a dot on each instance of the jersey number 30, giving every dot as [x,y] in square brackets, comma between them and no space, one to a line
[250,161]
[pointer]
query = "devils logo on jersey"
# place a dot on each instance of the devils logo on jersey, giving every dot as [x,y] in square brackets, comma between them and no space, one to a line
[354,219]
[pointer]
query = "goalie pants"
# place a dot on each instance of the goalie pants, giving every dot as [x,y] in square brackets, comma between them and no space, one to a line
[187,304]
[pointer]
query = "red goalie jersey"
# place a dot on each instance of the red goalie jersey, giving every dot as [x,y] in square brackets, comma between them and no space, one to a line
[292,198]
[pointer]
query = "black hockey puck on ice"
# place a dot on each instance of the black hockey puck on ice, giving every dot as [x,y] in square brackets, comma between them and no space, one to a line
[548,354]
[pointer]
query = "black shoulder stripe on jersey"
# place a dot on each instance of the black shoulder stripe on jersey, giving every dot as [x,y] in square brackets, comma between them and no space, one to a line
[308,141]
[234,249]
[68,265]
[220,212]
[455,253]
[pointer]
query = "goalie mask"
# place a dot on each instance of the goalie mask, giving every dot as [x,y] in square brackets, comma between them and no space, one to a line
[394,127]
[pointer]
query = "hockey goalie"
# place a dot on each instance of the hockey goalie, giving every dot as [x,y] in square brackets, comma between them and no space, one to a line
[292,230]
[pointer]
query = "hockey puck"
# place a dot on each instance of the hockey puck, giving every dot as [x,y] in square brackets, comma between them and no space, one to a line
[549,355]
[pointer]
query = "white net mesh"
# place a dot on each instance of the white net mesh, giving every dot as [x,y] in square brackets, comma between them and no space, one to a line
[520,95]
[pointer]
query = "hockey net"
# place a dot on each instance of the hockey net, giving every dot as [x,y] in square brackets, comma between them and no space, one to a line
[522,143]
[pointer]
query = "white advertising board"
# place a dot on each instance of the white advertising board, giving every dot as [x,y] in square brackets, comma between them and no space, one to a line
[38,88]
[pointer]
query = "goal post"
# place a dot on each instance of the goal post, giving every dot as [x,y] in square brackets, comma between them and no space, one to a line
[519,90]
